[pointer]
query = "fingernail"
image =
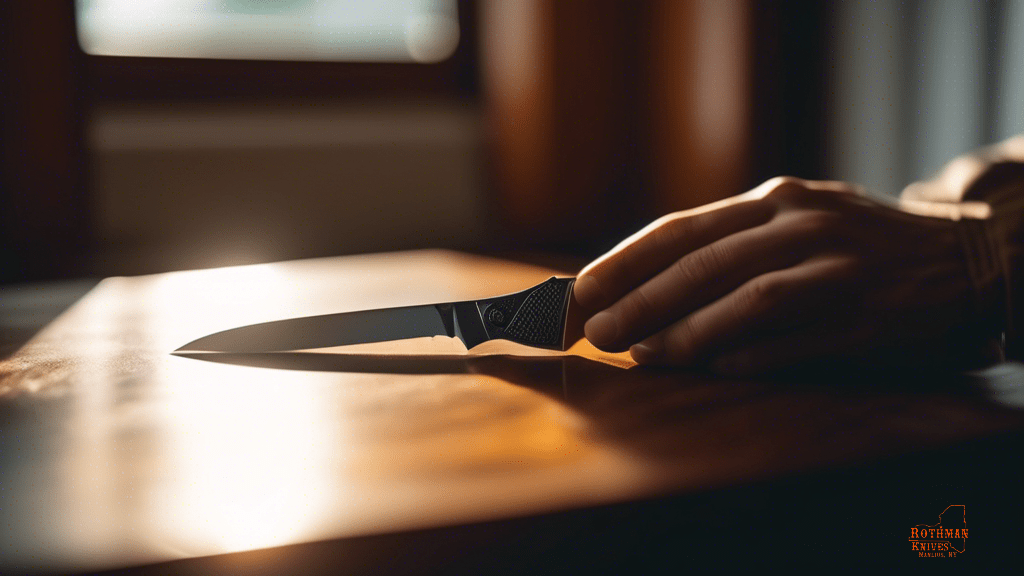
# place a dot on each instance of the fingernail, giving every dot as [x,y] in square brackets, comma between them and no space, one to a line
[644,353]
[588,293]
[601,329]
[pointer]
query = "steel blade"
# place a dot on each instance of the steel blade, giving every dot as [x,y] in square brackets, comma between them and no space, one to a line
[362,327]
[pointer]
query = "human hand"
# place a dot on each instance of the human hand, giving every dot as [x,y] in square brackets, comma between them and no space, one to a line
[791,270]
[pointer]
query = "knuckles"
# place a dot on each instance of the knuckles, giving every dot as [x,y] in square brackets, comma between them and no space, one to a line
[761,294]
[637,307]
[672,229]
[816,224]
[783,183]
[701,263]
[784,189]
[797,191]
[681,342]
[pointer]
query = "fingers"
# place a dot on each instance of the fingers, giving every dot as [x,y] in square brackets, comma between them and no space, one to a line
[703,276]
[768,304]
[653,249]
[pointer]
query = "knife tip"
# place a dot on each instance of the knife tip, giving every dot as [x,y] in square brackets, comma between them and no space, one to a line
[190,347]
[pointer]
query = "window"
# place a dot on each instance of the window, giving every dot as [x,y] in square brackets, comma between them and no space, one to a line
[424,31]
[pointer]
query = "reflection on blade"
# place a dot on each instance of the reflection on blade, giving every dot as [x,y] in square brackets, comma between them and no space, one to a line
[329,330]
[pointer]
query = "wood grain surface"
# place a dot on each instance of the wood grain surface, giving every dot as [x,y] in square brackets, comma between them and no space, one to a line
[115,452]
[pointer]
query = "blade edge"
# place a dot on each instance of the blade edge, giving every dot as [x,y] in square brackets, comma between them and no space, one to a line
[329,330]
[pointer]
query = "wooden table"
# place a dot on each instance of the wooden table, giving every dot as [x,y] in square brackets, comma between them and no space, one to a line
[417,457]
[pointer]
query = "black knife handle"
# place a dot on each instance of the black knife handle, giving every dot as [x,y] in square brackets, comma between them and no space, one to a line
[535,317]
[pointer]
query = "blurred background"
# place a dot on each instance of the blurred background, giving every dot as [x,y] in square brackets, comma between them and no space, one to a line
[145,136]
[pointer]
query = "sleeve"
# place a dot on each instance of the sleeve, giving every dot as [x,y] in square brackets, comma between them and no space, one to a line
[993,247]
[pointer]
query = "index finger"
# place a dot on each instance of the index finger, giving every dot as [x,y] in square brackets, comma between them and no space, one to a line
[643,255]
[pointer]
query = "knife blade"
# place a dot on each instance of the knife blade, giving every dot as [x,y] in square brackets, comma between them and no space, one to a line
[536,317]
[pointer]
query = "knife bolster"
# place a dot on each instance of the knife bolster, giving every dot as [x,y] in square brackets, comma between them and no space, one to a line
[469,326]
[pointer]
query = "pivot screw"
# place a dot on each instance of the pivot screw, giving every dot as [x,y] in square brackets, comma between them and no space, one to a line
[496,316]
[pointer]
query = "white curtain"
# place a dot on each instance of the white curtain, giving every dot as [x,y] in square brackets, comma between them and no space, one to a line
[916,82]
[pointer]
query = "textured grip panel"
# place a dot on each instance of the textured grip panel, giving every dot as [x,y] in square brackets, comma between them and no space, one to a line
[539,319]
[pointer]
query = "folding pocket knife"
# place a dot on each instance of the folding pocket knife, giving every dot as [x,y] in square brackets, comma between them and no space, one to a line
[535,317]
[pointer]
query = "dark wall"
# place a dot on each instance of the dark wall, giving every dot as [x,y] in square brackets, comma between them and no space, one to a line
[44,223]
[790,75]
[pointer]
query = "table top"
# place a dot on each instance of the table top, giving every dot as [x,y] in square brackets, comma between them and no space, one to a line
[114,452]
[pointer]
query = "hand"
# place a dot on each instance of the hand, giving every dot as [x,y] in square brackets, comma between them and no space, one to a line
[791,270]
